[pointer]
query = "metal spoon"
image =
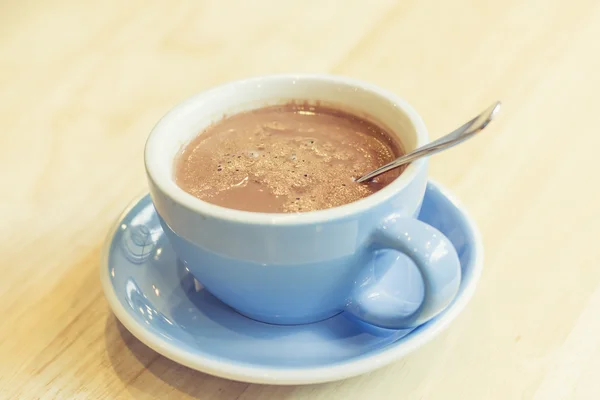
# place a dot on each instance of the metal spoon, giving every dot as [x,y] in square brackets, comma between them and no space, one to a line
[459,135]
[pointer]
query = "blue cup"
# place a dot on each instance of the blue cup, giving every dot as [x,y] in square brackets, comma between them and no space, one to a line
[306,267]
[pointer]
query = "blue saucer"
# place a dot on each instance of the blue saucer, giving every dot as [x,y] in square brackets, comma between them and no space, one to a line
[157,299]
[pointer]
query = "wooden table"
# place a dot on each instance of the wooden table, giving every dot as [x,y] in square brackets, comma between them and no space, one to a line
[82,83]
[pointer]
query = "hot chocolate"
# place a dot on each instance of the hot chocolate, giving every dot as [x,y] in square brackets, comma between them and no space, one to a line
[287,158]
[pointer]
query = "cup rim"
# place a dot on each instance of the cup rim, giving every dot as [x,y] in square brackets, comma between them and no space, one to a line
[169,188]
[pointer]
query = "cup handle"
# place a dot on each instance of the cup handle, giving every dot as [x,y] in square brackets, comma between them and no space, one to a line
[379,299]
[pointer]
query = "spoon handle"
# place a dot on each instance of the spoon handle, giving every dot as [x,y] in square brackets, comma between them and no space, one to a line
[455,137]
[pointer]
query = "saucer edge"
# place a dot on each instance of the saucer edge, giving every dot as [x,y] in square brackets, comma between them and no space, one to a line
[292,376]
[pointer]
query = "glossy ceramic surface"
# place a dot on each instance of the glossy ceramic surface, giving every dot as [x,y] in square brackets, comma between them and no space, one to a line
[158,300]
[305,267]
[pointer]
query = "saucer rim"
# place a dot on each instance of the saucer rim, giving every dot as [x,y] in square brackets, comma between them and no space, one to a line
[292,375]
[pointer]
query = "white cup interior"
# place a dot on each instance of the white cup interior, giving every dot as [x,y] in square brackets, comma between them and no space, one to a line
[188,119]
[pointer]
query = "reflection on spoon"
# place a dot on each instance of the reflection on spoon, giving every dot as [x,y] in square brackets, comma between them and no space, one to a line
[459,135]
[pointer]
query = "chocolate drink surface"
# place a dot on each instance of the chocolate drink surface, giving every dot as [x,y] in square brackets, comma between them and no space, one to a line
[286,159]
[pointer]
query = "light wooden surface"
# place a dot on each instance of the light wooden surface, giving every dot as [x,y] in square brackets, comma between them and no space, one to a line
[82,83]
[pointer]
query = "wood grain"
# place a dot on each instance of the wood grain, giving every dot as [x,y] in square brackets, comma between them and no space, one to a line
[82,83]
